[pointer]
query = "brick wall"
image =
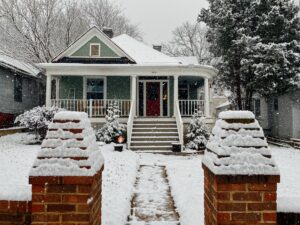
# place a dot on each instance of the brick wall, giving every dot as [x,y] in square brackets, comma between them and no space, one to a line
[15,212]
[239,200]
[66,200]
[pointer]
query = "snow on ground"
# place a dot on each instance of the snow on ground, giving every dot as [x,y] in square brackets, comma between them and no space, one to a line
[120,169]
[288,194]
[16,160]
[185,177]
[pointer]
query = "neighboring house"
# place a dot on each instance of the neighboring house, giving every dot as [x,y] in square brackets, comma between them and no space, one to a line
[97,70]
[22,87]
[280,116]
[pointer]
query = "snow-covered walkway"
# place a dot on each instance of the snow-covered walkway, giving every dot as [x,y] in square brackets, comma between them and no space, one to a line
[152,202]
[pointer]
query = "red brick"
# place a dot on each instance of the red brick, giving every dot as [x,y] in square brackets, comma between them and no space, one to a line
[84,188]
[75,131]
[223,195]
[53,198]
[3,206]
[262,187]
[77,180]
[246,196]
[61,189]
[83,208]
[75,198]
[38,188]
[37,208]
[75,217]
[231,187]
[231,207]
[267,217]
[246,217]
[270,196]
[223,217]
[44,180]
[60,208]
[261,206]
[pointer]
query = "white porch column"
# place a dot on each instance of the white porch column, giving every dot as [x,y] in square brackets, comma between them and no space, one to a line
[207,100]
[175,92]
[48,90]
[133,89]
[57,87]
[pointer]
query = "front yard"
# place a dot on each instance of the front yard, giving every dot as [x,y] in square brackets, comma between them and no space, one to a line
[184,175]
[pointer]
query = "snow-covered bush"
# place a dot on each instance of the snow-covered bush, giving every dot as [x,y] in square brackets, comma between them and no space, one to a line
[112,128]
[37,120]
[198,133]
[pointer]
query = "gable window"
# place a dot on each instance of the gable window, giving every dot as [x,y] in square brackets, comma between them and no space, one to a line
[95,50]
[95,89]
[18,90]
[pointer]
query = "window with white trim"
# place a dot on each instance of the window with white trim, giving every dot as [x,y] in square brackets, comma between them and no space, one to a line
[95,88]
[94,50]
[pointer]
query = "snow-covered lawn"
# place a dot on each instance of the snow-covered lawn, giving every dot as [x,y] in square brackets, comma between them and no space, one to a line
[185,177]
[16,160]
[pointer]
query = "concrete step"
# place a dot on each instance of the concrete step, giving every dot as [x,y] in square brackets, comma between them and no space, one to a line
[155,130]
[151,143]
[151,148]
[154,134]
[145,138]
[154,126]
[153,122]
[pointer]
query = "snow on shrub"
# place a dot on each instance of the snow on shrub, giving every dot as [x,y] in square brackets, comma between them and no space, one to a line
[198,133]
[37,120]
[112,128]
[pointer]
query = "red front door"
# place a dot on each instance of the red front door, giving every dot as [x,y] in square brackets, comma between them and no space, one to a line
[153,98]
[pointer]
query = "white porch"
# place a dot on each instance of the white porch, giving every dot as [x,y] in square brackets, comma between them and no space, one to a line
[96,108]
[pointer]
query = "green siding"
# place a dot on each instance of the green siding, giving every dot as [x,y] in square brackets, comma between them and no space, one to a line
[118,87]
[66,83]
[105,51]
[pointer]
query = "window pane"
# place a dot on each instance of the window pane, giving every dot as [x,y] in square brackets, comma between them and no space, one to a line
[18,88]
[95,88]
[257,107]
[95,50]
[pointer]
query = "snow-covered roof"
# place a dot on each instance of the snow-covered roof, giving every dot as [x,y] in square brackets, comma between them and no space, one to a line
[69,149]
[187,60]
[237,146]
[9,62]
[142,53]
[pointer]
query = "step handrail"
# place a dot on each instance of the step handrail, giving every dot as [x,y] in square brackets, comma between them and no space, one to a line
[130,123]
[179,123]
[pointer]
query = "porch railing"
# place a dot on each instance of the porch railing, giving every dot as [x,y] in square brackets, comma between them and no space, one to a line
[189,107]
[179,122]
[93,107]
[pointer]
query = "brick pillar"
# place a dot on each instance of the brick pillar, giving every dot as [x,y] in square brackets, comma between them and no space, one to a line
[66,177]
[67,200]
[240,180]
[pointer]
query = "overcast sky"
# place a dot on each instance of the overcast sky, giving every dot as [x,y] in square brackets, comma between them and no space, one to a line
[157,18]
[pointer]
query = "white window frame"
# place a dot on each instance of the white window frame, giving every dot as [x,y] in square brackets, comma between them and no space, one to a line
[93,77]
[95,56]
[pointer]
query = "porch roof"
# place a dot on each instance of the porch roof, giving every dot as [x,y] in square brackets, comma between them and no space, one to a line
[76,69]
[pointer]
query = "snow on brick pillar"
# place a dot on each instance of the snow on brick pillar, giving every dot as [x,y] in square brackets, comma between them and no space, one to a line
[66,176]
[240,176]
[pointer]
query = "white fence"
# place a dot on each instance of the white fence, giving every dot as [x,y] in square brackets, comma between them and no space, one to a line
[189,107]
[93,107]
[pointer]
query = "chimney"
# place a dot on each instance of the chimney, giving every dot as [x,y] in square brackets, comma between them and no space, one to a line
[157,47]
[108,31]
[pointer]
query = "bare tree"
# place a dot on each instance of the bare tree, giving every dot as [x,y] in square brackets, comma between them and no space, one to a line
[104,13]
[189,40]
[36,30]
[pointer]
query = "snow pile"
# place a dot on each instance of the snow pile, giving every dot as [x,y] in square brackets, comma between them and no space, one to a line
[238,146]
[16,159]
[69,149]
[118,180]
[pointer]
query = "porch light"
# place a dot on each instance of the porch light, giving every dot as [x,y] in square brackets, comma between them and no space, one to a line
[119,147]
[165,97]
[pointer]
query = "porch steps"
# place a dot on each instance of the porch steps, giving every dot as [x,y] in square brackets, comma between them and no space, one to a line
[154,134]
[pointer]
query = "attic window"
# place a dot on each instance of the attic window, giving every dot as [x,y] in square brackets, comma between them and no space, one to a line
[94,50]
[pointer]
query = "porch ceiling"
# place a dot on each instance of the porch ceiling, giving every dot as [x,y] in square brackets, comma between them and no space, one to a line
[74,69]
